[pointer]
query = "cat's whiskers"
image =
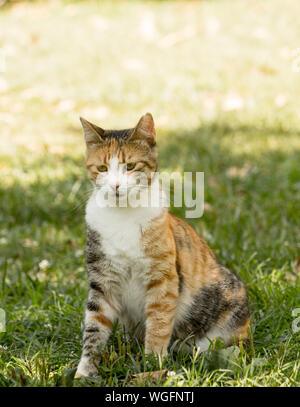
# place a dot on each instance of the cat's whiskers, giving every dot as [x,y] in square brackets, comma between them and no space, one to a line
[83,200]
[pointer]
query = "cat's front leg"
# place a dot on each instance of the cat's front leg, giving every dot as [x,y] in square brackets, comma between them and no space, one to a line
[100,315]
[161,301]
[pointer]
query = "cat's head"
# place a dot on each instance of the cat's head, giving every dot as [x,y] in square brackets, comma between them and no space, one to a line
[115,159]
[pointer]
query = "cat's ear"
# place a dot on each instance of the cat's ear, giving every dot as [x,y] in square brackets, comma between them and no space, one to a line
[92,133]
[145,129]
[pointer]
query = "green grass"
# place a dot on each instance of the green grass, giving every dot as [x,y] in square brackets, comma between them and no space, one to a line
[225,101]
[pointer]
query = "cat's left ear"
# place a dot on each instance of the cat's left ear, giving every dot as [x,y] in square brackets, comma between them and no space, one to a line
[92,133]
[145,130]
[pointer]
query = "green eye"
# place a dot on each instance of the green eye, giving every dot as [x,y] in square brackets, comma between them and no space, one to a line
[102,168]
[130,166]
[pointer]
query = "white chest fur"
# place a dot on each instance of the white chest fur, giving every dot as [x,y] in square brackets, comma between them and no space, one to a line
[121,231]
[120,228]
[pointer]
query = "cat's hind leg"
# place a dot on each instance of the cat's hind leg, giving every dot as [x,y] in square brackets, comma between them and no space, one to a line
[231,326]
[218,310]
[227,334]
[204,343]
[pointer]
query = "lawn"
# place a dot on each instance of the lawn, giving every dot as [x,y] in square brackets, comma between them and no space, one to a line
[221,79]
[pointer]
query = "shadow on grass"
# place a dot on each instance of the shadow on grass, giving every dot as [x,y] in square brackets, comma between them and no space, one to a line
[248,190]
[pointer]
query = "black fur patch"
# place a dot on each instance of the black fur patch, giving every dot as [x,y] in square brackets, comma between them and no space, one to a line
[118,134]
[208,305]
[240,313]
[91,330]
[92,257]
[92,306]
[95,286]
[180,277]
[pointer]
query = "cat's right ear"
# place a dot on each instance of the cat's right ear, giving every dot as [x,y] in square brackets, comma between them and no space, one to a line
[92,133]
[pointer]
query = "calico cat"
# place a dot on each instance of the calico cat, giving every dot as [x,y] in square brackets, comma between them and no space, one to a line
[146,267]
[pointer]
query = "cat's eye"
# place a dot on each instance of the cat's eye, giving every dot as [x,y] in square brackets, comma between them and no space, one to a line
[130,166]
[102,168]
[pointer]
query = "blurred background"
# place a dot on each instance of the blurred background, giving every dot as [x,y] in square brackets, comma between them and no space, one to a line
[188,62]
[222,80]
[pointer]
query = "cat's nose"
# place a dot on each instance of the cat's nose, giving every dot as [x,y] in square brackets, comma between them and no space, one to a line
[117,189]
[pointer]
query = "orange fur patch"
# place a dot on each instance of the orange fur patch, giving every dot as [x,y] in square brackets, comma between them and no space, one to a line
[103,320]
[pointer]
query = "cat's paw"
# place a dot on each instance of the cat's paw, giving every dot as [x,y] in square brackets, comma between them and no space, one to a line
[159,353]
[87,373]
[79,374]
[85,369]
